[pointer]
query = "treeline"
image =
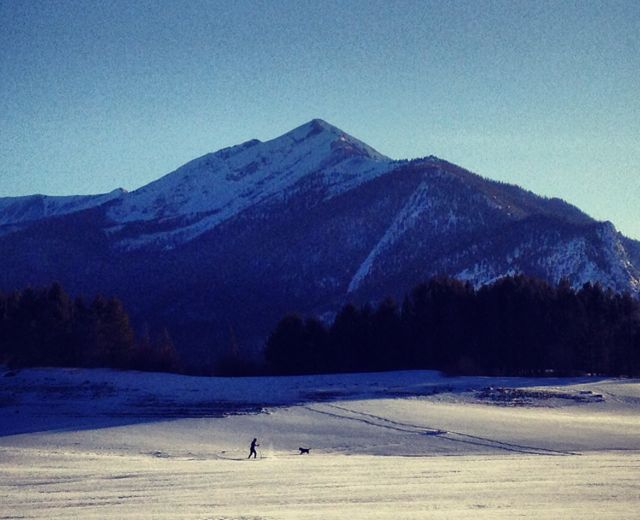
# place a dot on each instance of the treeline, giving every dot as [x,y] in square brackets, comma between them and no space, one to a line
[515,326]
[46,327]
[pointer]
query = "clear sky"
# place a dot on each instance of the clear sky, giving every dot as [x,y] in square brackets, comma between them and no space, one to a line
[96,95]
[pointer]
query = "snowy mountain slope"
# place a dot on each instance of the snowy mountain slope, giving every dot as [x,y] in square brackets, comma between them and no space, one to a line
[211,189]
[417,205]
[225,245]
[16,212]
[592,254]
[480,230]
[632,247]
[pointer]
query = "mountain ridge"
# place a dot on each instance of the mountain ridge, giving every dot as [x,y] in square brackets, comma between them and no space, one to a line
[303,222]
[214,187]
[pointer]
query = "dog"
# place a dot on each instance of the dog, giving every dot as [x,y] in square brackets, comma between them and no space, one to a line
[304,450]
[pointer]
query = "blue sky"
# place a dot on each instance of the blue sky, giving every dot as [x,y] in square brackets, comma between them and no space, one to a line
[98,95]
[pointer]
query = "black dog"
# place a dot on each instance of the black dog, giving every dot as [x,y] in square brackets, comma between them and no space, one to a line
[304,450]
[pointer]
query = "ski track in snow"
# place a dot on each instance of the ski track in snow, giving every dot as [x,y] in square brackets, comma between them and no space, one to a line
[382,422]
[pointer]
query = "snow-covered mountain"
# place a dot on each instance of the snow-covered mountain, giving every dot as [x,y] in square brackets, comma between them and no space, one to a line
[218,186]
[17,212]
[224,245]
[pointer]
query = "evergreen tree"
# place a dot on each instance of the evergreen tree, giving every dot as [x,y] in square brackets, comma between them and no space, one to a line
[115,335]
[56,327]
[348,339]
[388,347]
[283,348]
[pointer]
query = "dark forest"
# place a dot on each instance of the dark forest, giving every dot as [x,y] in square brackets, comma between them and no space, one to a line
[46,327]
[515,326]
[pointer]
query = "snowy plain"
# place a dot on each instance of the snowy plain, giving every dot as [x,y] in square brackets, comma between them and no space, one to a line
[105,444]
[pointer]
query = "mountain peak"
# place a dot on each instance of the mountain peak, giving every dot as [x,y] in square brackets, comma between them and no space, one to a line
[313,128]
[318,130]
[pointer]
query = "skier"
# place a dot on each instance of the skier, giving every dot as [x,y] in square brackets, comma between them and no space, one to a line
[252,451]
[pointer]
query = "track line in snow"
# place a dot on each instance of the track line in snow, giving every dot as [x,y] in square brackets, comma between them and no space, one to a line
[452,436]
[362,420]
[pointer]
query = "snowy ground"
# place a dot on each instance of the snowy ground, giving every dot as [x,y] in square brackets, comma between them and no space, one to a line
[104,444]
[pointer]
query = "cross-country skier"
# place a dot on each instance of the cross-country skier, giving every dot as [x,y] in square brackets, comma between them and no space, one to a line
[252,450]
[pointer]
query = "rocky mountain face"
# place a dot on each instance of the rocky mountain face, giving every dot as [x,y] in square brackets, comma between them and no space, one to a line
[220,248]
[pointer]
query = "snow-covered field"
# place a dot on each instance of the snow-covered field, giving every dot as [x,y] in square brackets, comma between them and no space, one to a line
[105,444]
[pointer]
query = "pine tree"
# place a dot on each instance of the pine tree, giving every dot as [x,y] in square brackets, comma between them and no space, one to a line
[388,343]
[282,351]
[56,327]
[114,335]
